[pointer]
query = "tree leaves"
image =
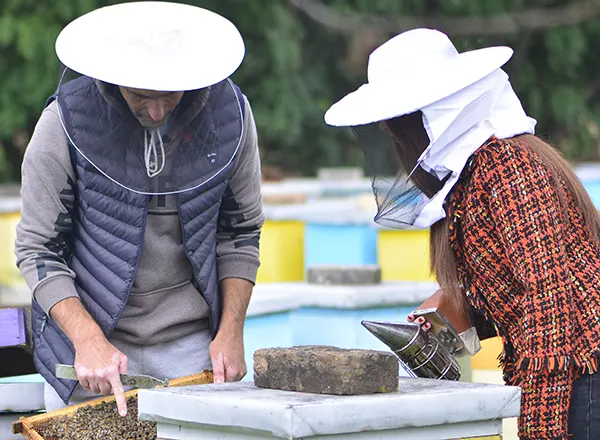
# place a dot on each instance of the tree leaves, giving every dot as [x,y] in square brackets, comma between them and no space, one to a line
[295,69]
[566,48]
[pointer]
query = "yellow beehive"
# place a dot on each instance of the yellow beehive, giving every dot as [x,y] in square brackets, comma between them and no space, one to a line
[9,217]
[487,358]
[281,252]
[403,255]
[493,437]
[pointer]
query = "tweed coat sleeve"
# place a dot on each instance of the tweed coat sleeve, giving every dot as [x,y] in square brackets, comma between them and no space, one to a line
[529,220]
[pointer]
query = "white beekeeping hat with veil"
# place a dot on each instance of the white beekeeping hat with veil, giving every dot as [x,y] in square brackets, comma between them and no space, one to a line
[465,98]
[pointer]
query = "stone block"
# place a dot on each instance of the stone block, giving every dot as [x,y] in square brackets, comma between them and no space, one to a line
[366,274]
[326,370]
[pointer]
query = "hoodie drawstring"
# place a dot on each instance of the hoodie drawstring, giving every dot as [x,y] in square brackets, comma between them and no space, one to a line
[151,154]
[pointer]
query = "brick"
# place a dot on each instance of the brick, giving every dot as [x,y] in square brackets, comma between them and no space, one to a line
[326,370]
[344,275]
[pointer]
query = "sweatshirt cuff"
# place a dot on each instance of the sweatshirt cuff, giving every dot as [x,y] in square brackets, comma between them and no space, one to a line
[237,266]
[54,290]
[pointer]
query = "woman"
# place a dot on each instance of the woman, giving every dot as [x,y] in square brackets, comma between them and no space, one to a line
[515,239]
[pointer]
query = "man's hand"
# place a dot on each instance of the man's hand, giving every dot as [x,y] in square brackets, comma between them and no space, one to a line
[227,349]
[227,356]
[99,364]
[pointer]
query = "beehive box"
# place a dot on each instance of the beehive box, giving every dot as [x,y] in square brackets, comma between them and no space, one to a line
[98,419]
[9,218]
[282,252]
[403,255]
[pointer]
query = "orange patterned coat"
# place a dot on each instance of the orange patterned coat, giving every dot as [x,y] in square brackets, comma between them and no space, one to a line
[531,272]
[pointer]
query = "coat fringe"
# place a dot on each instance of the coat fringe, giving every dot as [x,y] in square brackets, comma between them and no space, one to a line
[555,364]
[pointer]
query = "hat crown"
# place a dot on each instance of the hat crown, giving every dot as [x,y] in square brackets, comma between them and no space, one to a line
[410,53]
[154,45]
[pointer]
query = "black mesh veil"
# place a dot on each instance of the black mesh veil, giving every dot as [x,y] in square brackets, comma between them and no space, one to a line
[179,156]
[401,186]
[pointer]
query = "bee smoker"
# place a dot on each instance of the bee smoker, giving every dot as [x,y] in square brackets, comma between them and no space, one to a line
[424,354]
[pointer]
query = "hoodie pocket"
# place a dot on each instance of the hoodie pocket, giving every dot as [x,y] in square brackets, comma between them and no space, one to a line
[149,313]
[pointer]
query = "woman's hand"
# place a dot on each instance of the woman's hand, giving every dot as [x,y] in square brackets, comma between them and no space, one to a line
[420,320]
[446,305]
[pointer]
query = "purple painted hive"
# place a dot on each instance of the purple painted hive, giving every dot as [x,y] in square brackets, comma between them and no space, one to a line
[12,328]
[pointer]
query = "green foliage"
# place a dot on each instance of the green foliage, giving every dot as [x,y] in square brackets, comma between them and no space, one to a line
[295,69]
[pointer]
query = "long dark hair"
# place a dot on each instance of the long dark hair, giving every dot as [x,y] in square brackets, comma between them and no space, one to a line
[411,139]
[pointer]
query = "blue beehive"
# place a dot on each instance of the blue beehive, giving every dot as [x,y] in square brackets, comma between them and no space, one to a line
[339,244]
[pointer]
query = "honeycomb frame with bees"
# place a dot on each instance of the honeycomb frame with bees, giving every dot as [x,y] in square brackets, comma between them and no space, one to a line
[98,418]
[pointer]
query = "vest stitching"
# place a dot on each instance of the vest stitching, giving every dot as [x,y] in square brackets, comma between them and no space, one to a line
[105,196]
[202,243]
[89,298]
[100,262]
[40,365]
[131,278]
[89,236]
[202,216]
[115,219]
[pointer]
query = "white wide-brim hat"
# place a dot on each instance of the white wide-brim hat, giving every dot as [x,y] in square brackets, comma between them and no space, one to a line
[152,45]
[410,71]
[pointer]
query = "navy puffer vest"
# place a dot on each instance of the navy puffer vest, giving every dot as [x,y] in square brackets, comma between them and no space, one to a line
[109,221]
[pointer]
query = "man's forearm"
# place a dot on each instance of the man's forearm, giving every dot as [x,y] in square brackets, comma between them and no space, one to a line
[236,294]
[75,321]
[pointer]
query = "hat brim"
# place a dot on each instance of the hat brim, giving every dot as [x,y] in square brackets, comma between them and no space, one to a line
[408,93]
[152,45]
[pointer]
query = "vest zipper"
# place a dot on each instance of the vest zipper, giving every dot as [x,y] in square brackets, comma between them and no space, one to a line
[44,321]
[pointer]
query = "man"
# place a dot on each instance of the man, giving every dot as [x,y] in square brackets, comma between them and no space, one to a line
[141,203]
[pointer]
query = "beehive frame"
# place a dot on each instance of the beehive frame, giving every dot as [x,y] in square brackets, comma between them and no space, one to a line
[28,427]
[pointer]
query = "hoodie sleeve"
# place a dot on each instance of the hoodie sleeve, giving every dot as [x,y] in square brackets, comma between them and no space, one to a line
[44,230]
[241,217]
